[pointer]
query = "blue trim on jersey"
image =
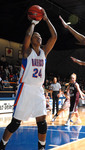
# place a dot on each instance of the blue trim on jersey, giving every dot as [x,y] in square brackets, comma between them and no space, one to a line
[20,86]
[45,61]
[24,62]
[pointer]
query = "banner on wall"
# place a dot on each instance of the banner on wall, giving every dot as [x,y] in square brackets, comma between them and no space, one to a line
[6,106]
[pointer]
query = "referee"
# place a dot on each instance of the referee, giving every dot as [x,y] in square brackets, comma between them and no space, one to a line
[56,89]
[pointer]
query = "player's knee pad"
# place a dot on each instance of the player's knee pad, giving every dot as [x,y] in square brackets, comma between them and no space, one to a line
[14,125]
[42,127]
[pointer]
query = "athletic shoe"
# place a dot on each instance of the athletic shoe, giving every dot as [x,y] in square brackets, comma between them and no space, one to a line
[41,147]
[71,120]
[2,147]
[53,119]
[67,123]
[55,116]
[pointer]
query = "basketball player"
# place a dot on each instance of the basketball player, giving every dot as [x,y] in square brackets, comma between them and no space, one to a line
[74,91]
[65,106]
[30,99]
[48,107]
[82,63]
[78,36]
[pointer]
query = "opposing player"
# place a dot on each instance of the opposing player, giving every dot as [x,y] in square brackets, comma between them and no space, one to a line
[30,99]
[48,107]
[73,91]
[78,36]
[82,63]
[65,106]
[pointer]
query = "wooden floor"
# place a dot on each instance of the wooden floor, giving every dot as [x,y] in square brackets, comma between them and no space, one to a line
[78,144]
[60,120]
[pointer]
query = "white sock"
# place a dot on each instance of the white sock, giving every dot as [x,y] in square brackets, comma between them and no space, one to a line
[68,120]
[42,142]
[79,119]
[4,142]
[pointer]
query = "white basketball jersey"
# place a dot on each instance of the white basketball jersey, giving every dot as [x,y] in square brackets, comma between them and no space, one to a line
[33,69]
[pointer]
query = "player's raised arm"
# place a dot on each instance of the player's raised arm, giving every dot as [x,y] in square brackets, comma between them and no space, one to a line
[51,41]
[77,35]
[78,61]
[26,46]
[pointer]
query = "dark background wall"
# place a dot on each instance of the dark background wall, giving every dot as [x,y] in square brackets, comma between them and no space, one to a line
[16,47]
[60,64]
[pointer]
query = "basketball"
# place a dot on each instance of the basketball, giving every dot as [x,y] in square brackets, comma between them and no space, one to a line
[35,12]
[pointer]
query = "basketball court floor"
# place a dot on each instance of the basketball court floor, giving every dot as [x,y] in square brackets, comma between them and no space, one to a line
[59,136]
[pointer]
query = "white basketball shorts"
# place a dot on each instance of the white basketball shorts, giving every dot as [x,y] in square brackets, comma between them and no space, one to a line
[30,102]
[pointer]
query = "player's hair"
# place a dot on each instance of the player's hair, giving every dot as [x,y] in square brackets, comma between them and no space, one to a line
[73,74]
[35,33]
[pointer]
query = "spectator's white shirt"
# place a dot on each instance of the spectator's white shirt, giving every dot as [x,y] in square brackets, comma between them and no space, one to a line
[0,79]
[7,72]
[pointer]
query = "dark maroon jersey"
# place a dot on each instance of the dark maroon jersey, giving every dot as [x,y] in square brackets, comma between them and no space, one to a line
[74,95]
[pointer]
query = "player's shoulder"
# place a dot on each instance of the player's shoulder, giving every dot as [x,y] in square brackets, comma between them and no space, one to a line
[27,52]
[76,84]
[42,50]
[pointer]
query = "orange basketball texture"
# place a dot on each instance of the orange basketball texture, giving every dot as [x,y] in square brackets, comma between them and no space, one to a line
[35,12]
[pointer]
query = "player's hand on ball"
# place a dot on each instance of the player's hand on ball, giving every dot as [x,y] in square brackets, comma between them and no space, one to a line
[63,22]
[45,15]
[35,22]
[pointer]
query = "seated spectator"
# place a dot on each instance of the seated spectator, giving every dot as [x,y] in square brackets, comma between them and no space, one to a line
[0,78]
[11,75]
[46,84]
[13,83]
[7,71]
[10,68]
[3,74]
[3,58]
[48,107]
[18,64]
[15,76]
[1,87]
[6,82]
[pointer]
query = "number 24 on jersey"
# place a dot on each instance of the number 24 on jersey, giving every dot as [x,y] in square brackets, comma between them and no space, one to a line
[37,73]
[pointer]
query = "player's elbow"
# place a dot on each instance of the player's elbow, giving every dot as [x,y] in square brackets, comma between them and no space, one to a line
[55,36]
[83,41]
